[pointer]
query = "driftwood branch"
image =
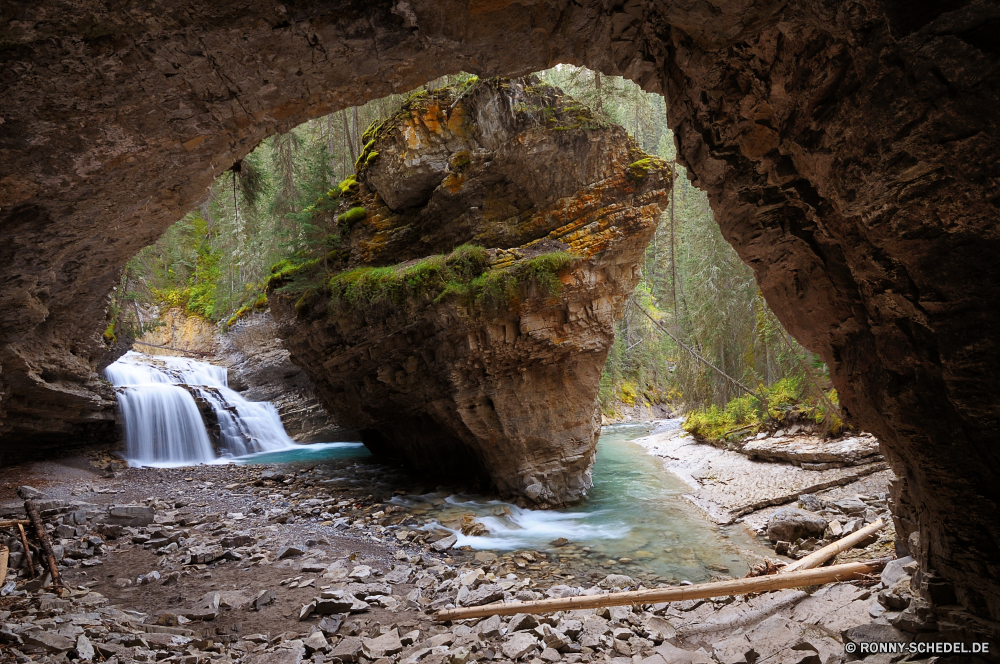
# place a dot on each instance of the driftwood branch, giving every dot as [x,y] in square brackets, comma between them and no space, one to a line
[4,556]
[817,558]
[14,522]
[43,539]
[809,577]
[27,551]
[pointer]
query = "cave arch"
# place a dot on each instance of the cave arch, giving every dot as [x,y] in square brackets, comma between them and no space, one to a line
[849,150]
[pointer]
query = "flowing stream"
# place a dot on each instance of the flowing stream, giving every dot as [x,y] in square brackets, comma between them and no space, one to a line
[159,398]
[634,520]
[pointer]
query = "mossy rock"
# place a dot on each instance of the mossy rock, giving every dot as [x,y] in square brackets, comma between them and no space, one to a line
[349,219]
[640,170]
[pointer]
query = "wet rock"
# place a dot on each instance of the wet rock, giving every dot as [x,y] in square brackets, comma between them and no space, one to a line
[790,523]
[444,543]
[519,644]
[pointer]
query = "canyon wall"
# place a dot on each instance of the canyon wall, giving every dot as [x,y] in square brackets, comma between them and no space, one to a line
[514,224]
[849,149]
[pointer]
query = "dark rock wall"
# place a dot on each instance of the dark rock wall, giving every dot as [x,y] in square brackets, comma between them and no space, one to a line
[849,149]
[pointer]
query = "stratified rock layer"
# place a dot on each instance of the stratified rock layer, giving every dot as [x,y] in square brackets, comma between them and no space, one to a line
[467,383]
[850,151]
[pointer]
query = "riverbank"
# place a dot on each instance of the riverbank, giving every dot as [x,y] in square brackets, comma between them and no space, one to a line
[731,486]
[233,556]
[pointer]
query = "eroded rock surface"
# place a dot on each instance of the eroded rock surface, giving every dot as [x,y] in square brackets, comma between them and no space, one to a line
[493,372]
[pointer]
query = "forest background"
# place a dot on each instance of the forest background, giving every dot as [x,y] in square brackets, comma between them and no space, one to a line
[697,335]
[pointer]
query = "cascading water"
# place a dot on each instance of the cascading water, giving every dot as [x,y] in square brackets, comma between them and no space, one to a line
[163,425]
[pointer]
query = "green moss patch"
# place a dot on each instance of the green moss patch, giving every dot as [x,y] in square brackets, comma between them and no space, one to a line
[462,276]
[639,170]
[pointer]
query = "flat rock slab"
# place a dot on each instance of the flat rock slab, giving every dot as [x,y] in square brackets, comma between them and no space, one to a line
[728,484]
[811,450]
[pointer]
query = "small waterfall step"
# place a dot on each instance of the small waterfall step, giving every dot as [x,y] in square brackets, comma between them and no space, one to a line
[158,398]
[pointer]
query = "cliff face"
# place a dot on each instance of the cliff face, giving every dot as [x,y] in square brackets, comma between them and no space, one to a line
[850,152]
[512,224]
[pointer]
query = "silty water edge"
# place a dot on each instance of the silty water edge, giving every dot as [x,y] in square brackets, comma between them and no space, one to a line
[635,521]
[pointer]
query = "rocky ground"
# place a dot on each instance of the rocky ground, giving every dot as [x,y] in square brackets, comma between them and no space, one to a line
[278,564]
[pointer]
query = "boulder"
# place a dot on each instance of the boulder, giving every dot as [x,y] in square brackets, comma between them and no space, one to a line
[790,523]
[535,222]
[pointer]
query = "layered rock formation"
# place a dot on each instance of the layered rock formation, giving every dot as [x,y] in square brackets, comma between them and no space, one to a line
[849,151]
[485,362]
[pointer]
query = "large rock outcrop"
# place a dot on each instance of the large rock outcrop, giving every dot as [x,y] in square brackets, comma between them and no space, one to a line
[849,149]
[514,224]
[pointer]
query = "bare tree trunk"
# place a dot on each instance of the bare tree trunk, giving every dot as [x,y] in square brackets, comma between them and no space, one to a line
[329,135]
[600,94]
[348,141]
[357,134]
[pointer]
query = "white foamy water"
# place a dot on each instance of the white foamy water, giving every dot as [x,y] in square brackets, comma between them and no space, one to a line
[511,527]
[163,427]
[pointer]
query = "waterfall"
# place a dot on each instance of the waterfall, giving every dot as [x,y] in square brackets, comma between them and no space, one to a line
[159,398]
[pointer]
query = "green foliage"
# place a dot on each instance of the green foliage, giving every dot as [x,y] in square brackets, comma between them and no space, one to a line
[638,170]
[109,334]
[787,402]
[461,276]
[347,220]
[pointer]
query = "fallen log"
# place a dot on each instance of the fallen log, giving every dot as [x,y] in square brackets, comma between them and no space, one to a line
[4,555]
[809,577]
[27,551]
[14,522]
[43,539]
[817,558]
